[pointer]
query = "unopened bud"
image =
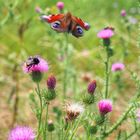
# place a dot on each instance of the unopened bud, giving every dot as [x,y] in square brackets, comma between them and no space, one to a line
[51,82]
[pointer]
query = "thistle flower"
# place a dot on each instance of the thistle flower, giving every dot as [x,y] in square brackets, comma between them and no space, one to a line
[60,5]
[123,13]
[51,82]
[73,111]
[117,67]
[21,133]
[91,87]
[105,106]
[34,64]
[138,115]
[106,33]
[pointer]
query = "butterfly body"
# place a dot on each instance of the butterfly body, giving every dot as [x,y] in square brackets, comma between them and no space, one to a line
[66,23]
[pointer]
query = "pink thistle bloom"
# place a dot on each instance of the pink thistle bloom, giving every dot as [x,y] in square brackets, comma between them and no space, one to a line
[60,5]
[105,106]
[123,13]
[117,67]
[138,115]
[35,64]
[21,133]
[106,33]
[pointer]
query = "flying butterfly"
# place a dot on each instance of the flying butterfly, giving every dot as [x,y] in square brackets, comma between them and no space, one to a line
[66,23]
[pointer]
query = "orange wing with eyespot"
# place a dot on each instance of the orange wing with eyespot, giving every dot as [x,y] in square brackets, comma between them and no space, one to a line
[79,21]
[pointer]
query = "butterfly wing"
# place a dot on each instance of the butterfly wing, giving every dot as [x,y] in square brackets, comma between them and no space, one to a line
[66,23]
[78,27]
[58,22]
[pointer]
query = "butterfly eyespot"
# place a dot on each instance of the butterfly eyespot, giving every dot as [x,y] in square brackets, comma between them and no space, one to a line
[55,24]
[79,30]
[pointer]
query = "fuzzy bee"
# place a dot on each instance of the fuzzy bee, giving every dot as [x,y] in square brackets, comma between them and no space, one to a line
[32,61]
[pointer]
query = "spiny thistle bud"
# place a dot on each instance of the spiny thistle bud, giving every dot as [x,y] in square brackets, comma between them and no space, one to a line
[92,129]
[89,99]
[50,126]
[51,82]
[36,76]
[91,87]
[99,120]
[50,95]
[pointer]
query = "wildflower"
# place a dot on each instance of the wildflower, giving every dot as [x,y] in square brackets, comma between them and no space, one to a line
[117,67]
[21,133]
[91,87]
[123,13]
[51,82]
[60,5]
[34,64]
[105,106]
[73,111]
[138,115]
[106,33]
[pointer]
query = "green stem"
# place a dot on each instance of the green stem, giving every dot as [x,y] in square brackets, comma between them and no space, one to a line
[41,109]
[65,70]
[46,121]
[50,135]
[67,130]
[75,128]
[107,73]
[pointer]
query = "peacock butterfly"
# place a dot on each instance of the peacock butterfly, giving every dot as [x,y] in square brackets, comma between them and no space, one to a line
[66,23]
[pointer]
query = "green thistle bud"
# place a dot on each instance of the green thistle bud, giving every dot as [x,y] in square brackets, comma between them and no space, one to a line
[92,129]
[50,126]
[99,120]
[36,76]
[89,99]
[51,94]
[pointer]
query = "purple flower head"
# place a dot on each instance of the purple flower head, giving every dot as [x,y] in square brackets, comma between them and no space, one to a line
[51,82]
[35,64]
[21,133]
[91,87]
[138,115]
[105,106]
[60,5]
[106,33]
[117,67]
[38,9]
[123,13]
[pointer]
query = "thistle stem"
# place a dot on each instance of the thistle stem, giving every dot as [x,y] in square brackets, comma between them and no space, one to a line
[107,73]
[65,70]
[46,121]
[41,109]
[75,128]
